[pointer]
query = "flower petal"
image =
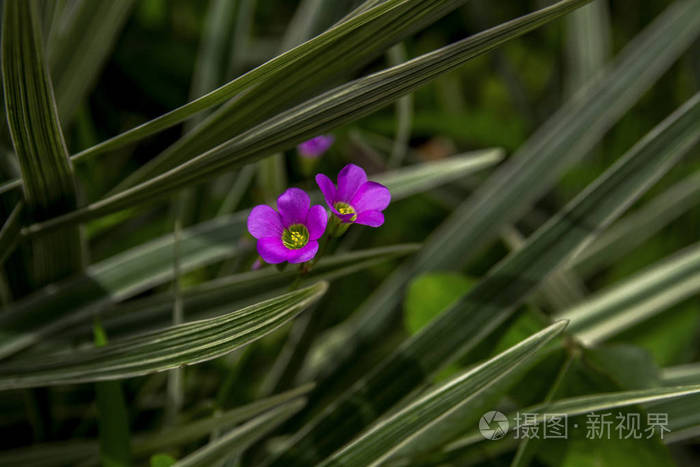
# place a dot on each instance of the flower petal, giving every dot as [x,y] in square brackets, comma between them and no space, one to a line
[370,218]
[293,206]
[327,188]
[316,221]
[350,178]
[315,146]
[263,221]
[304,254]
[272,250]
[371,196]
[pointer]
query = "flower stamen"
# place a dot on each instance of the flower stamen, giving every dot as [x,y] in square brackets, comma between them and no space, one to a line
[345,208]
[295,236]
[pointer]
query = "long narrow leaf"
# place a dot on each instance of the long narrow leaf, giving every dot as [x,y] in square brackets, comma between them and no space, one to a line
[207,298]
[241,437]
[49,187]
[637,299]
[383,439]
[160,350]
[631,231]
[117,278]
[9,234]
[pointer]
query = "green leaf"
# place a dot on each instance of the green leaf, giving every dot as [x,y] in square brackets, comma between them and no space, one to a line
[112,416]
[588,43]
[496,296]
[632,230]
[185,344]
[429,295]
[122,276]
[423,177]
[49,188]
[235,441]
[636,299]
[162,460]
[236,290]
[88,26]
[380,441]
[528,174]
[318,115]
[9,234]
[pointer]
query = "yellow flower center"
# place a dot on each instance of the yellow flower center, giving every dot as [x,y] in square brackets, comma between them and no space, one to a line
[345,208]
[295,236]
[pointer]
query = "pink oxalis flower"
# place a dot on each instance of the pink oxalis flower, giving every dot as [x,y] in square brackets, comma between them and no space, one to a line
[290,234]
[355,200]
[315,147]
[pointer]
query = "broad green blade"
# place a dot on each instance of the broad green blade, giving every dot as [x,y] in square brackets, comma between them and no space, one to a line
[384,438]
[306,67]
[9,234]
[681,375]
[636,299]
[146,444]
[49,188]
[318,115]
[185,344]
[496,296]
[80,41]
[588,43]
[207,298]
[238,439]
[632,230]
[122,276]
[409,180]
[527,175]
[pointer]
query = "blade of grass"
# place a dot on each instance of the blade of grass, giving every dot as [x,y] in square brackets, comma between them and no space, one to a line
[322,113]
[497,295]
[379,442]
[49,187]
[404,113]
[160,350]
[632,230]
[207,298]
[588,43]
[238,439]
[122,276]
[636,299]
[9,234]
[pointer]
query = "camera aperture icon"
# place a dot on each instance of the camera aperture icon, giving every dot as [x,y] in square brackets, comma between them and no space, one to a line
[493,425]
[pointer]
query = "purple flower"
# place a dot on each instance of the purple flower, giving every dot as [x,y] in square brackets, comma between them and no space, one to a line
[355,200]
[315,147]
[292,234]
